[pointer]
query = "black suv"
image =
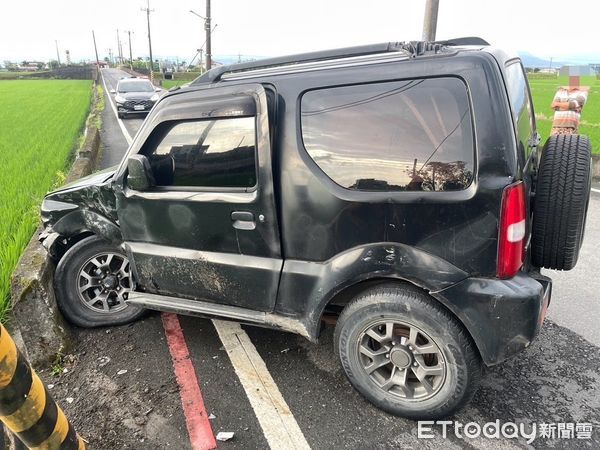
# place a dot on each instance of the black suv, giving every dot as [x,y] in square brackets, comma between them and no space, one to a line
[135,96]
[397,189]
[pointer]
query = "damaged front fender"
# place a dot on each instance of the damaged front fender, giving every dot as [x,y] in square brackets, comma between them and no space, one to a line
[87,206]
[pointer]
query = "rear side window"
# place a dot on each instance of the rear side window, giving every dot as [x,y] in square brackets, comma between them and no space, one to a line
[411,135]
[205,153]
[518,94]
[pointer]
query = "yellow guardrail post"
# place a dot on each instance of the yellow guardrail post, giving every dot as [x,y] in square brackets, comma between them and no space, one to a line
[26,407]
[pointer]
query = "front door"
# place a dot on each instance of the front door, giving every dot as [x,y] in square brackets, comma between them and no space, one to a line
[208,228]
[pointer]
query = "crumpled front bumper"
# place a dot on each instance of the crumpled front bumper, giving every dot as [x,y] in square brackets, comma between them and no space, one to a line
[48,239]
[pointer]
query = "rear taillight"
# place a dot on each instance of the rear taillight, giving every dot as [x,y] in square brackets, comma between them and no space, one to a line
[511,238]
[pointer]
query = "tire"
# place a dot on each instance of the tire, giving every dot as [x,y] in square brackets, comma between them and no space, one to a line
[405,305]
[561,201]
[85,256]
[120,116]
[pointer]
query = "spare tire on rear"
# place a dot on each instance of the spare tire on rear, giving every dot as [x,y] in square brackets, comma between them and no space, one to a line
[561,201]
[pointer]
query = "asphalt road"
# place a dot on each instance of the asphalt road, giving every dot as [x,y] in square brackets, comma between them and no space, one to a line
[556,380]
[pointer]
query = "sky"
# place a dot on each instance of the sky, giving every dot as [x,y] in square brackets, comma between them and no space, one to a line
[28,29]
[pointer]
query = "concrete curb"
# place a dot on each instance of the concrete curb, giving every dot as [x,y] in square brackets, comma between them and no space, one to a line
[596,167]
[35,315]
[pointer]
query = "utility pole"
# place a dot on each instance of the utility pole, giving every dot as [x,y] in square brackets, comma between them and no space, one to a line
[57,52]
[119,48]
[430,21]
[208,30]
[130,53]
[96,50]
[148,11]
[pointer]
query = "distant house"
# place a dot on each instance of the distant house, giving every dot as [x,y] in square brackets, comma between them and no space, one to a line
[549,70]
[582,70]
[31,66]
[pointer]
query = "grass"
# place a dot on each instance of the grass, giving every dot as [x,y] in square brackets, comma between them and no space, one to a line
[168,84]
[40,122]
[543,90]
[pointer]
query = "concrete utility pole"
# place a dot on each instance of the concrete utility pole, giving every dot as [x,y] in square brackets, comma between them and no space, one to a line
[208,30]
[130,52]
[119,48]
[57,52]
[96,50]
[148,11]
[430,21]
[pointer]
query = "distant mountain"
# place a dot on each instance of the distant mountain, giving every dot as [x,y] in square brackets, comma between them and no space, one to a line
[532,61]
[233,59]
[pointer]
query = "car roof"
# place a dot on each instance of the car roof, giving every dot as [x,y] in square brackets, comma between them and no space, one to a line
[135,80]
[348,55]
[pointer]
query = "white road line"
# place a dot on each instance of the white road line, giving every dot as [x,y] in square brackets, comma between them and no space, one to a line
[596,190]
[112,105]
[274,416]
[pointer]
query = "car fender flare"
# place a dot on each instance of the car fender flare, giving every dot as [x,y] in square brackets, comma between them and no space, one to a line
[320,282]
[86,220]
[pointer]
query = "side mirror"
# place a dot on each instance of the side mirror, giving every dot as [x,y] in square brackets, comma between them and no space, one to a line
[112,91]
[139,173]
[157,89]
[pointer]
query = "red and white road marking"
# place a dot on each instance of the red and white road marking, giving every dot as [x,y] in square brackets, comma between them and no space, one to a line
[196,419]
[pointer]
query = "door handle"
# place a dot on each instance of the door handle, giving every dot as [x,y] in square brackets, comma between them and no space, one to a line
[243,220]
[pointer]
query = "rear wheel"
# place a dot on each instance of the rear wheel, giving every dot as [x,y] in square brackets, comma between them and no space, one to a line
[561,201]
[92,282]
[406,354]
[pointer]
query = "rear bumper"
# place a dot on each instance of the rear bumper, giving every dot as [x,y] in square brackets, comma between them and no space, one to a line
[502,316]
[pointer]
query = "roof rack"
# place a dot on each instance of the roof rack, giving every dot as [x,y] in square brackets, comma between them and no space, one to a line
[470,40]
[412,49]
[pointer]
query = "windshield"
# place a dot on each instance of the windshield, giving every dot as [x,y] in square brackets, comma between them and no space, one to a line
[135,86]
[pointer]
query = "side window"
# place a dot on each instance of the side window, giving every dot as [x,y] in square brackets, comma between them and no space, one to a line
[412,135]
[219,153]
[518,94]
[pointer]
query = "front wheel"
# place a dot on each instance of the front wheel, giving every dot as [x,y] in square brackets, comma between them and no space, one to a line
[406,354]
[92,282]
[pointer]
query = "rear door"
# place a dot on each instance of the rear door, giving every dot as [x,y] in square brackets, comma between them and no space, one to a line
[208,230]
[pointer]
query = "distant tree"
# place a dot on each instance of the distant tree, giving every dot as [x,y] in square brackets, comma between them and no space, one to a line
[53,64]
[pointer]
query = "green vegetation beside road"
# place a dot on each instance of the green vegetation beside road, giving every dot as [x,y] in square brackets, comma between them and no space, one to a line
[543,90]
[40,123]
[168,84]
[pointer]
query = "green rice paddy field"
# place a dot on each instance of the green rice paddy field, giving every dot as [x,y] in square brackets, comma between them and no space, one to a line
[543,91]
[40,124]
